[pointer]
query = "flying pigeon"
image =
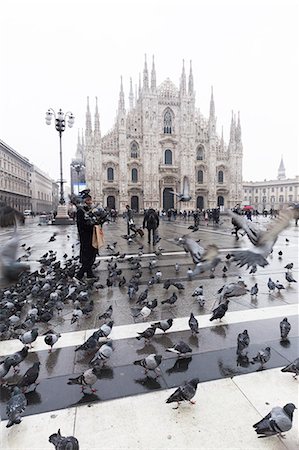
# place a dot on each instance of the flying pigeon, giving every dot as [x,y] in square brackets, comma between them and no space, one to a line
[150,362]
[63,443]
[11,267]
[9,216]
[185,195]
[15,407]
[234,289]
[292,368]
[184,393]
[285,328]
[278,420]
[87,378]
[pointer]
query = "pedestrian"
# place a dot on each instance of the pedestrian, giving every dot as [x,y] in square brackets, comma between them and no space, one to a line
[85,225]
[151,222]
[129,218]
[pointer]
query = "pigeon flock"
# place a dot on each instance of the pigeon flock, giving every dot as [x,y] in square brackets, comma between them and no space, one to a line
[34,304]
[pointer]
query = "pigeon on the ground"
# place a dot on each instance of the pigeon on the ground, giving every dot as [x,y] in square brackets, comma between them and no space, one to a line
[51,338]
[29,378]
[163,325]
[15,407]
[271,285]
[15,359]
[201,301]
[91,343]
[193,324]
[292,368]
[4,369]
[198,291]
[171,300]
[234,289]
[285,328]
[254,290]
[289,266]
[220,311]
[87,378]
[29,337]
[289,277]
[184,393]
[150,362]
[243,342]
[278,421]
[279,286]
[181,349]
[102,355]
[147,334]
[63,442]
[262,357]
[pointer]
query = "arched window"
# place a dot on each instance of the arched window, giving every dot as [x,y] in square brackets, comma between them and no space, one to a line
[220,200]
[168,122]
[168,157]
[110,174]
[134,175]
[200,176]
[200,202]
[200,154]
[220,176]
[134,150]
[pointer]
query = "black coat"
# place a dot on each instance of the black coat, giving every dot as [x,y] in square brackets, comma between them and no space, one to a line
[85,230]
[151,220]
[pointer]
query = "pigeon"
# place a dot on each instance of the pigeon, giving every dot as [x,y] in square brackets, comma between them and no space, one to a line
[177,267]
[51,338]
[11,267]
[289,266]
[4,369]
[289,277]
[278,420]
[292,368]
[262,357]
[15,407]
[29,378]
[285,328]
[87,378]
[15,359]
[184,393]
[150,362]
[243,342]
[91,343]
[209,261]
[103,354]
[220,311]
[163,325]
[198,291]
[106,329]
[181,349]
[263,241]
[9,216]
[253,269]
[185,195]
[190,274]
[201,301]
[192,247]
[77,314]
[234,289]
[29,337]
[146,334]
[193,324]
[62,442]
[254,290]
[171,300]
[271,285]
[279,286]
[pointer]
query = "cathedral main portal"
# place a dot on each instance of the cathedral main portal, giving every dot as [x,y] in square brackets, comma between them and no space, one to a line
[168,199]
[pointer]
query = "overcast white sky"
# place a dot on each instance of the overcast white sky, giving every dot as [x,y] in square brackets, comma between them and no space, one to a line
[55,53]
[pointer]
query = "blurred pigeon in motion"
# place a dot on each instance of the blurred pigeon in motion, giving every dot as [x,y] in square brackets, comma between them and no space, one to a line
[193,324]
[29,337]
[10,266]
[4,369]
[263,241]
[192,247]
[87,378]
[253,269]
[63,442]
[184,393]
[185,195]
[147,334]
[254,290]
[271,285]
[209,260]
[181,349]
[278,421]
[262,357]
[234,289]
[219,312]
[285,328]
[163,325]
[51,338]
[15,407]
[15,359]
[9,216]
[177,267]
[292,368]
[243,343]
[289,277]
[102,355]
[150,362]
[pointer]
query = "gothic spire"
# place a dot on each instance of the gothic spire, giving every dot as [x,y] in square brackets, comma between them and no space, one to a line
[190,83]
[139,86]
[238,129]
[281,170]
[145,75]
[131,95]
[88,119]
[121,101]
[212,106]
[232,130]
[222,140]
[153,76]
[183,80]
[97,120]
[79,146]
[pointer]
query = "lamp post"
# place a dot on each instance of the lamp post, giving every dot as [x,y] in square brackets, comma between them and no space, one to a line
[60,119]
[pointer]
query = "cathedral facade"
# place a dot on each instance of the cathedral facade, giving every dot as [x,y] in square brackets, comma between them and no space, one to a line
[161,140]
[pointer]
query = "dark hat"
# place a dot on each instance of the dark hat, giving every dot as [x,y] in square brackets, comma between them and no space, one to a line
[85,194]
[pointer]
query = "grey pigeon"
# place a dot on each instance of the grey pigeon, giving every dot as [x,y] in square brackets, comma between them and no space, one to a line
[15,407]
[171,300]
[254,290]
[63,442]
[29,378]
[51,338]
[181,349]
[163,325]
[147,334]
[107,314]
[87,378]
[185,195]
[262,356]
[292,368]
[184,393]
[198,291]
[279,286]
[192,247]
[91,343]
[289,277]
[289,266]
[15,359]
[271,285]
[193,324]
[9,216]
[263,241]
[103,354]
[29,337]
[4,368]
[285,328]
[11,268]
[150,362]
[243,343]
[209,261]
[234,289]
[278,421]
[220,311]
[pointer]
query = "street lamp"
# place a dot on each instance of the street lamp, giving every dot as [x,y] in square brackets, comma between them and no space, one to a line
[60,119]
